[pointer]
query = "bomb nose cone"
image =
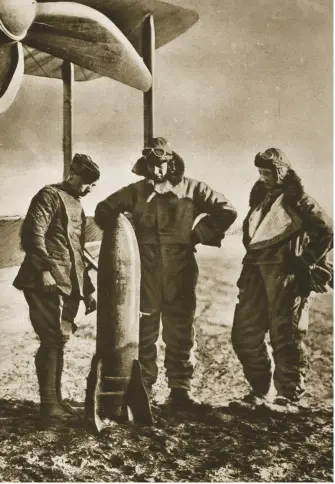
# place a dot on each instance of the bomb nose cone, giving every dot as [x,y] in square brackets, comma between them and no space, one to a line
[16,16]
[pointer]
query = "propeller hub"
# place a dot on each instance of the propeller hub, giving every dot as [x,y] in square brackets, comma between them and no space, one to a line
[16,16]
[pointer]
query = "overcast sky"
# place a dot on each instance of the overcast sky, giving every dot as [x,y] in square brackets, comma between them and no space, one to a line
[249,75]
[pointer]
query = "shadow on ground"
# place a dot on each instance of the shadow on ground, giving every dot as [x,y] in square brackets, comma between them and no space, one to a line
[211,444]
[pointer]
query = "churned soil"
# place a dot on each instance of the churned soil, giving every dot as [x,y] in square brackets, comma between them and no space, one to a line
[211,445]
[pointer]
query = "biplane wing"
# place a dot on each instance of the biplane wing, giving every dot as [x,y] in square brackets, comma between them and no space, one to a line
[171,21]
[38,63]
[10,227]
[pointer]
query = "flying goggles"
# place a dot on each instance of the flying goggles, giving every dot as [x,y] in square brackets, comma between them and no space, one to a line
[159,152]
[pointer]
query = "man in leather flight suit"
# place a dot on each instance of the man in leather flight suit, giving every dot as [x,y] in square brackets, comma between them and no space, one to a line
[164,207]
[287,237]
[53,275]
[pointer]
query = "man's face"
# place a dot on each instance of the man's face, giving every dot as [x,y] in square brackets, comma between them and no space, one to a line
[267,177]
[84,188]
[158,166]
[159,172]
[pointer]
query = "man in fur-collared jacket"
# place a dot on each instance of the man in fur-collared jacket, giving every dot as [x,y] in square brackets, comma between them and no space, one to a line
[287,236]
[171,214]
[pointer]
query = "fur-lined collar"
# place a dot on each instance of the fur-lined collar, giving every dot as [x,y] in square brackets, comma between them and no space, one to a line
[292,188]
[175,173]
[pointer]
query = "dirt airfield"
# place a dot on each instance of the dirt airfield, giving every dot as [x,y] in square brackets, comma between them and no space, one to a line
[214,445]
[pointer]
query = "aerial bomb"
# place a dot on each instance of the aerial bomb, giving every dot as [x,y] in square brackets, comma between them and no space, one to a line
[115,388]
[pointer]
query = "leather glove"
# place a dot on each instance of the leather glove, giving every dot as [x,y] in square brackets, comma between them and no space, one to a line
[319,278]
[303,275]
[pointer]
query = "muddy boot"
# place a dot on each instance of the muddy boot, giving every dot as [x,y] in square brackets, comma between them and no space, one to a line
[183,399]
[282,404]
[60,365]
[252,401]
[248,402]
[46,369]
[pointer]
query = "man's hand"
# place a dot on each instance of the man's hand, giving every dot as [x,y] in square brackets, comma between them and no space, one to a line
[48,282]
[320,277]
[205,232]
[90,304]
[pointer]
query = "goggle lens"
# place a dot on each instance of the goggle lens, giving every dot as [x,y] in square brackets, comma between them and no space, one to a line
[159,152]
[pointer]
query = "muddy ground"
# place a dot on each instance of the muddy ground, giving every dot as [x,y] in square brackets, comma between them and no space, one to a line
[214,445]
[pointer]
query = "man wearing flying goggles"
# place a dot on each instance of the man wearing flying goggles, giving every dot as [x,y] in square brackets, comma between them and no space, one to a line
[165,208]
[157,162]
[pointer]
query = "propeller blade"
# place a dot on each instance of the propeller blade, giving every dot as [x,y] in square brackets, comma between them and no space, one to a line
[16,16]
[128,15]
[86,37]
[11,73]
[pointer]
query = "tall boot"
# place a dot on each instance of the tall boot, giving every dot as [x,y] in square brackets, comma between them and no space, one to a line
[60,365]
[46,369]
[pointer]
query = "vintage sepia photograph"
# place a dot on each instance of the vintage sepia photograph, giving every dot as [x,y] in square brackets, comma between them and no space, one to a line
[166,241]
